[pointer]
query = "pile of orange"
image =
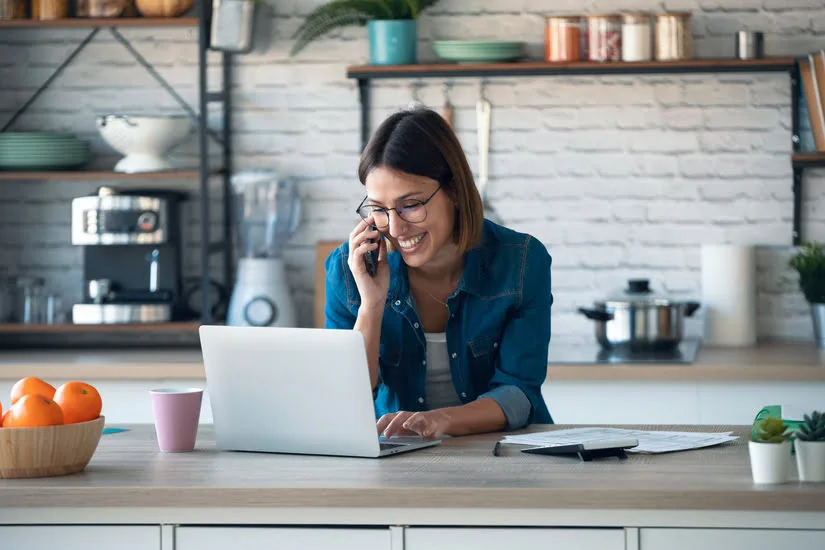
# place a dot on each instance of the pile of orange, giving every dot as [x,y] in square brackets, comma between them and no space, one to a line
[35,402]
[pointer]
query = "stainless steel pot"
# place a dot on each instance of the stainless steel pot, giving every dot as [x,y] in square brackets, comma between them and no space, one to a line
[639,319]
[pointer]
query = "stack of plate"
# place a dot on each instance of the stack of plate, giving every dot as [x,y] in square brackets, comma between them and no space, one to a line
[42,151]
[469,51]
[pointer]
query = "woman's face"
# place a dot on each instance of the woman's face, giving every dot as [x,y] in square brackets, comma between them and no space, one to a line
[419,243]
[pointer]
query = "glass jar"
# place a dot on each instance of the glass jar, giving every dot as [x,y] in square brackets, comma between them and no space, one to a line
[637,37]
[562,38]
[604,38]
[50,9]
[12,9]
[673,39]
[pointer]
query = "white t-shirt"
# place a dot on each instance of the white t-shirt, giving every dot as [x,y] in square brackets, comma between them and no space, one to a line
[439,387]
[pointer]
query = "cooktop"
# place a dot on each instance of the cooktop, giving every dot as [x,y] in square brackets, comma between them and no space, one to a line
[593,354]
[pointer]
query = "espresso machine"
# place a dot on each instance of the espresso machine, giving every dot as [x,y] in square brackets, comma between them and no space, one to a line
[131,256]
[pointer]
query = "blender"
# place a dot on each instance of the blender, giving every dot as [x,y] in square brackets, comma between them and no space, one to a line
[267,210]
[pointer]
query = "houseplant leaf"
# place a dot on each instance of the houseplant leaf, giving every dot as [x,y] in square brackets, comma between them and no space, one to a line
[337,14]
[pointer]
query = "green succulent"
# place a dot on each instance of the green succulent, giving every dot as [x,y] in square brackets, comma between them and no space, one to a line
[813,428]
[344,13]
[771,430]
[809,262]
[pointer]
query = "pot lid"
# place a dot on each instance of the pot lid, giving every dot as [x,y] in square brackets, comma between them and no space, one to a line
[636,293]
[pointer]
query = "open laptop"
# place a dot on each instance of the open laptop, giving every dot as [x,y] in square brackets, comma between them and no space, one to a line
[294,390]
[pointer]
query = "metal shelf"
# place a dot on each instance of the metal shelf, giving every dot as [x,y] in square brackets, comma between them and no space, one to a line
[87,22]
[91,175]
[364,74]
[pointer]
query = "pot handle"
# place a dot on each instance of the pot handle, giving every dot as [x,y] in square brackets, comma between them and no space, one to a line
[596,315]
[691,307]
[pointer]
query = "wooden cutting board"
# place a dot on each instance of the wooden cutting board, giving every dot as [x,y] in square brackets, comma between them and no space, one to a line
[322,251]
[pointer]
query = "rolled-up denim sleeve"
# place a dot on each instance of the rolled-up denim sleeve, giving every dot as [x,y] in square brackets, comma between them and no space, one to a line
[336,313]
[514,403]
[521,367]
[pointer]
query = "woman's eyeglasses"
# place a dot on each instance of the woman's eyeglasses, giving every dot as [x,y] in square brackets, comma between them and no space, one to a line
[410,210]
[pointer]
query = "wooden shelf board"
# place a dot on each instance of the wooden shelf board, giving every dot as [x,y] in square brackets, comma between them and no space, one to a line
[83,22]
[808,159]
[19,328]
[539,68]
[99,175]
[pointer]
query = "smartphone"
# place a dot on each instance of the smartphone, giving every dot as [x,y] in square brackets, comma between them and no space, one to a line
[371,257]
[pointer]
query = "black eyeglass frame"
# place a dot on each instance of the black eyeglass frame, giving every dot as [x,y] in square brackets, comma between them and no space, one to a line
[387,210]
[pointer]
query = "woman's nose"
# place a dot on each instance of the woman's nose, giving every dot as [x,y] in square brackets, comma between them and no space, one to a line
[396,225]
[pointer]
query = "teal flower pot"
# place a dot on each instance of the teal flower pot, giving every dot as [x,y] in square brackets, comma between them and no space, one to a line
[392,42]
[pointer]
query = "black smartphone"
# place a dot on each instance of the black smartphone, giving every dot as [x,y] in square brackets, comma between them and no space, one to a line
[371,257]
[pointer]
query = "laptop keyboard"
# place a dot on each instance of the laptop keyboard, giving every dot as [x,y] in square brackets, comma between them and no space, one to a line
[383,446]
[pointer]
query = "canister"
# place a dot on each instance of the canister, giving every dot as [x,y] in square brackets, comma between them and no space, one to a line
[562,38]
[604,38]
[673,39]
[750,44]
[637,37]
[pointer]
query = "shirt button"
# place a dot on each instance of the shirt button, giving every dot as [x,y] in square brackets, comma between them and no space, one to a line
[398,302]
[420,399]
[424,362]
[452,316]
[416,325]
[495,344]
[463,394]
[454,355]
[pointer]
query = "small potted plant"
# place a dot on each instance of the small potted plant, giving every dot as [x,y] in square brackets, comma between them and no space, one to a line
[391,26]
[810,447]
[809,262]
[770,451]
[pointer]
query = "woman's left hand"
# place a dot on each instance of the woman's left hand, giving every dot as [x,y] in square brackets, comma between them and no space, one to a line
[430,424]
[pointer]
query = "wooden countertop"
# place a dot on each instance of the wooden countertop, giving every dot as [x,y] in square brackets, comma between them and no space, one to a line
[789,362]
[128,471]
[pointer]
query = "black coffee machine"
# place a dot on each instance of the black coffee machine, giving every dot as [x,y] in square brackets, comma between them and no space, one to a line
[131,256]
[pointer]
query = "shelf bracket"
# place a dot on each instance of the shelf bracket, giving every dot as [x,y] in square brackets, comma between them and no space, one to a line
[66,62]
[797,206]
[162,81]
[364,99]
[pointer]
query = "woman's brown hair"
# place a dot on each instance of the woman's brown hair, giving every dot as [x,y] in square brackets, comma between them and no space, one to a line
[420,142]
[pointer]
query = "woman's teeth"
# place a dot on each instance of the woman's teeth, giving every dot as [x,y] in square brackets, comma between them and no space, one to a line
[411,242]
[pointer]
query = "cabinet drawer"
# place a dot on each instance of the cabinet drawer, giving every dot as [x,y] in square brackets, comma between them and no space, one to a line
[272,538]
[728,539]
[495,538]
[80,537]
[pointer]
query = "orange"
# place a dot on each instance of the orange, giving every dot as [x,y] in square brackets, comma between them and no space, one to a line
[28,385]
[3,418]
[80,402]
[33,410]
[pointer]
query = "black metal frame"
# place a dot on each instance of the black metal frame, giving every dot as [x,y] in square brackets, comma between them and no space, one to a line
[365,74]
[205,97]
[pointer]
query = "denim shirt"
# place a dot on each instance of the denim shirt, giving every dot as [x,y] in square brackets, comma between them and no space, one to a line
[498,330]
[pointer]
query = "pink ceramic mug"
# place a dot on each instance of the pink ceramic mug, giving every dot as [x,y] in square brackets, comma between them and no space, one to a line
[177,412]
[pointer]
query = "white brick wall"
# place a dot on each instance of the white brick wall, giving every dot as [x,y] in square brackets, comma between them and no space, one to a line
[619,176]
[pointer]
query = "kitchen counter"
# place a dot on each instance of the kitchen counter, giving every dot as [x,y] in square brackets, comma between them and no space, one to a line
[454,495]
[788,362]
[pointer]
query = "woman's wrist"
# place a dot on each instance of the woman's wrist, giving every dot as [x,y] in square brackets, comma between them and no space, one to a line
[371,310]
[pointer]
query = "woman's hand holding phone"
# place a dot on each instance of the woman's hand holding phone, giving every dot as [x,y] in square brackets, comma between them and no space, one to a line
[363,240]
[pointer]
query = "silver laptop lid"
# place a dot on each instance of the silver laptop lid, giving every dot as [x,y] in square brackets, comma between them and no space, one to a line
[291,390]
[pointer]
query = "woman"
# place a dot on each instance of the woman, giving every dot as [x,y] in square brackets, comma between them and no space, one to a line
[456,319]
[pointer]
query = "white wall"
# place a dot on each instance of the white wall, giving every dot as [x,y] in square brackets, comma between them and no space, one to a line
[618,175]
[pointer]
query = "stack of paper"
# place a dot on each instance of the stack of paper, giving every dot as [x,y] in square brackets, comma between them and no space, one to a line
[649,441]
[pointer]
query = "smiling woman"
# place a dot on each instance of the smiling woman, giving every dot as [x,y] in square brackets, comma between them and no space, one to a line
[454,309]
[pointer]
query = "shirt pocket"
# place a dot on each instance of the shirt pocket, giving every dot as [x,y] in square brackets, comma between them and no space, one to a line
[482,359]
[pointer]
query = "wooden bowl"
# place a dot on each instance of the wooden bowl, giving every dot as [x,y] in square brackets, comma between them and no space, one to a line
[49,450]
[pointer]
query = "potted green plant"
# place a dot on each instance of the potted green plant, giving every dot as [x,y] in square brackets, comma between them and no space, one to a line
[809,262]
[391,26]
[810,447]
[770,451]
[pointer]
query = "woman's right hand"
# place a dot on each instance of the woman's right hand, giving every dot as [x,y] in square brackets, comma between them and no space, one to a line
[373,290]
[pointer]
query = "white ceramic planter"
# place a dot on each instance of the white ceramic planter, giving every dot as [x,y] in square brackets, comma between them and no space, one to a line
[770,462]
[810,460]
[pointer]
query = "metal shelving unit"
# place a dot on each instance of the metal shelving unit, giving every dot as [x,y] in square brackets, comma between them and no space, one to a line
[176,332]
[365,74]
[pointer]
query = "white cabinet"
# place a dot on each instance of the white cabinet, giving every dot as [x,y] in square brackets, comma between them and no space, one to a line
[730,539]
[80,537]
[495,538]
[276,538]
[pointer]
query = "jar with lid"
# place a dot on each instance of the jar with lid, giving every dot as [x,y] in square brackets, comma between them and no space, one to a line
[673,39]
[562,38]
[12,9]
[604,38]
[637,37]
[50,9]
